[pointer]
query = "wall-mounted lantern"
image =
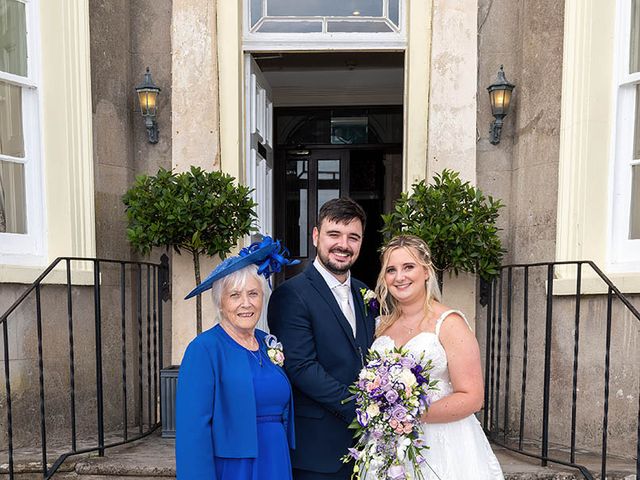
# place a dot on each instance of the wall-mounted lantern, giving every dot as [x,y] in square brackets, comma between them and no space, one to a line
[500,96]
[147,97]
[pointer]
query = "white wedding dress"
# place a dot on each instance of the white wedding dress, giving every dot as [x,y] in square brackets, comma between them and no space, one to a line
[457,450]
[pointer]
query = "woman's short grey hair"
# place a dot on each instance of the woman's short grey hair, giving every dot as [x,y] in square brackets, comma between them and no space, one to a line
[237,280]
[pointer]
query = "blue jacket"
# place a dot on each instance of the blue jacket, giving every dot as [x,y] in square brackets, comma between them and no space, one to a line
[215,405]
[322,358]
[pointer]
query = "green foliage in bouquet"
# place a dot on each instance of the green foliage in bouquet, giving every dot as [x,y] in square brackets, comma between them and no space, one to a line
[455,219]
[204,213]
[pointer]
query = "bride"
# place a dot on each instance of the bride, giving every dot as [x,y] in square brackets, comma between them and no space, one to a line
[412,316]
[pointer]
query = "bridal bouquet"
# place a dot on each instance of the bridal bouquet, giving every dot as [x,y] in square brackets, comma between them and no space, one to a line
[391,393]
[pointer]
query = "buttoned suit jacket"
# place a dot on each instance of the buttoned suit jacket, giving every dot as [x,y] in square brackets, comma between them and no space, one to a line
[322,358]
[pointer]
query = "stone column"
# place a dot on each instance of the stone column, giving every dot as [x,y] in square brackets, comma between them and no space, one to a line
[452,114]
[195,140]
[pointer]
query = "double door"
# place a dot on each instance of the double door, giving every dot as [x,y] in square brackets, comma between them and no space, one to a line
[307,178]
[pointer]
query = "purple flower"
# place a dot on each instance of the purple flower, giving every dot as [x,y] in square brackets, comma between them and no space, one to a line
[426,400]
[399,412]
[375,305]
[408,362]
[396,472]
[363,418]
[355,454]
[391,396]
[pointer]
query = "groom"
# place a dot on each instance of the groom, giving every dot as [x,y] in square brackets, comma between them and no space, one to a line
[319,317]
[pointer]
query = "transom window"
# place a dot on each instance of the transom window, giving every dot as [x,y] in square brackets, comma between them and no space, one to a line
[20,191]
[325,20]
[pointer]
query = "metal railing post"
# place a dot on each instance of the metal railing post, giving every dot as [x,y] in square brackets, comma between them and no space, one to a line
[98,337]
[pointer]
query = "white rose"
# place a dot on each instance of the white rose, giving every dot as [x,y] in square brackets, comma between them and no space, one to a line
[402,448]
[373,410]
[407,378]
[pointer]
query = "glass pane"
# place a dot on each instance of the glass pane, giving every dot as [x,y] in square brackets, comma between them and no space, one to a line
[328,181]
[385,125]
[349,130]
[256,11]
[303,128]
[13,37]
[336,126]
[394,12]
[290,27]
[636,130]
[358,27]
[297,188]
[634,47]
[13,205]
[634,223]
[324,8]
[368,183]
[11,134]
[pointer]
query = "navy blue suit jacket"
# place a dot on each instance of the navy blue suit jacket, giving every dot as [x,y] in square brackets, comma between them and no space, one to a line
[322,358]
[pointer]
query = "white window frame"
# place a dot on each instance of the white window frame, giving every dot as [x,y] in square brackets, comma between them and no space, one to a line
[624,253]
[267,41]
[29,248]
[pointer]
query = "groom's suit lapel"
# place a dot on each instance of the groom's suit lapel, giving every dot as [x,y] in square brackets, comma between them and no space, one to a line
[324,291]
[361,318]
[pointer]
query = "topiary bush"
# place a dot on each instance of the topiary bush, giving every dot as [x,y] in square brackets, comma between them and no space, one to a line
[455,219]
[204,213]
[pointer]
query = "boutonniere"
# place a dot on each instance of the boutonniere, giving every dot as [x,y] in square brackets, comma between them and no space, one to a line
[370,301]
[274,350]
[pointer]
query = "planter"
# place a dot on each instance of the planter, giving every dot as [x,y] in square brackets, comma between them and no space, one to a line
[168,387]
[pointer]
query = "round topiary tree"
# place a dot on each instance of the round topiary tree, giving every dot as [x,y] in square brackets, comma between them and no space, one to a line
[204,213]
[455,219]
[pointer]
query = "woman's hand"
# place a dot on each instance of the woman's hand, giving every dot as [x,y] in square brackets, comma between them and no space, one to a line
[463,357]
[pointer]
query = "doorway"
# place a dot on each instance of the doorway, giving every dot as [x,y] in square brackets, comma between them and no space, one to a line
[326,153]
[337,131]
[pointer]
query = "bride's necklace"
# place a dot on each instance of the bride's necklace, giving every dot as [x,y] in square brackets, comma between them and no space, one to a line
[414,328]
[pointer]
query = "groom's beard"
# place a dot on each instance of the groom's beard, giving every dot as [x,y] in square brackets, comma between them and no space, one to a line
[335,268]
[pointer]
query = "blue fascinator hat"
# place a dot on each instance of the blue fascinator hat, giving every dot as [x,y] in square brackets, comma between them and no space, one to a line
[269,255]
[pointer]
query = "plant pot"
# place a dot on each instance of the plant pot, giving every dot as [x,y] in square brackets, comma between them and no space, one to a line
[168,387]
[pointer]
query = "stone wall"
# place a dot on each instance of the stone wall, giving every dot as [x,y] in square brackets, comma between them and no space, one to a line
[126,37]
[129,346]
[527,37]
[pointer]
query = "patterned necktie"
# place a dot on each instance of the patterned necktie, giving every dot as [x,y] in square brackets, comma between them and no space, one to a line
[343,299]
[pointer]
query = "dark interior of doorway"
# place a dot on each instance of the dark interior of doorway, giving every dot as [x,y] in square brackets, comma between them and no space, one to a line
[325,152]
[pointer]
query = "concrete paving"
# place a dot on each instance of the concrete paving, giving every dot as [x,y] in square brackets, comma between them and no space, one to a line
[153,457]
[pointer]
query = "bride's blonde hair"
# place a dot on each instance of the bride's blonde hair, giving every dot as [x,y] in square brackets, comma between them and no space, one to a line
[419,251]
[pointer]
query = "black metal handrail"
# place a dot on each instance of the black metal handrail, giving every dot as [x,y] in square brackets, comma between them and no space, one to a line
[507,424]
[148,288]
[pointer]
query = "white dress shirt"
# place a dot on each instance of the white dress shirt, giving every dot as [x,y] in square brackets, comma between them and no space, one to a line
[332,282]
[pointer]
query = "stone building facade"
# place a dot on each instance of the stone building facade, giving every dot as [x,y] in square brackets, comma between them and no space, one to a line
[557,167]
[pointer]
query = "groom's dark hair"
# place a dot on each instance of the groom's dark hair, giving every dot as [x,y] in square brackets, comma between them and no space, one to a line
[342,210]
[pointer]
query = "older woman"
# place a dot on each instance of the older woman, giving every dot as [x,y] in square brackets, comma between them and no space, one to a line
[234,408]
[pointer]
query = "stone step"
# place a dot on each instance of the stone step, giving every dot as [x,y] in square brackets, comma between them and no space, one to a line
[153,458]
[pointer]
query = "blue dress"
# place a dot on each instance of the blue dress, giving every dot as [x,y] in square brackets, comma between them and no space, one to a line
[234,412]
[272,393]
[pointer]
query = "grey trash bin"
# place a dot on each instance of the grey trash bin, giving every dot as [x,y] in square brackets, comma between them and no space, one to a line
[168,386]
